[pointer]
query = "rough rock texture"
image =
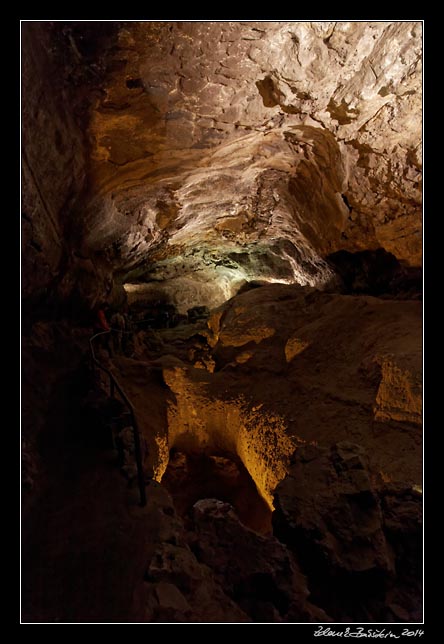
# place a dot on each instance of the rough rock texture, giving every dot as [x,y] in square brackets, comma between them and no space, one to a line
[219,571]
[224,151]
[321,368]
[177,587]
[52,165]
[258,571]
[331,496]
[289,365]
[246,160]
[58,85]
[327,368]
[350,535]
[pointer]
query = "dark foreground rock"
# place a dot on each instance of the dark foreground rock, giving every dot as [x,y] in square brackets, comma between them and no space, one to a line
[358,539]
[222,571]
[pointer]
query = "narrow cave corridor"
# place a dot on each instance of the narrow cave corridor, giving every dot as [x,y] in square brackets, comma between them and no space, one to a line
[221,322]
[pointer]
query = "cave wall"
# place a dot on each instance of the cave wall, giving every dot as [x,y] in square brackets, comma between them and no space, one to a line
[61,72]
[53,162]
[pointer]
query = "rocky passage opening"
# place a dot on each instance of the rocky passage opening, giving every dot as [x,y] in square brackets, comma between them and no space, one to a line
[192,477]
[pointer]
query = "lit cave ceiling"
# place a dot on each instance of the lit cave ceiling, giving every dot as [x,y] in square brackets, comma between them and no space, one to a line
[215,153]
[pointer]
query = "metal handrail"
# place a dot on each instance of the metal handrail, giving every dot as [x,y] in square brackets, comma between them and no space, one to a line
[114,384]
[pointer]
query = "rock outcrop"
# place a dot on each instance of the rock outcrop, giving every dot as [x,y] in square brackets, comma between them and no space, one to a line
[218,570]
[288,366]
[350,533]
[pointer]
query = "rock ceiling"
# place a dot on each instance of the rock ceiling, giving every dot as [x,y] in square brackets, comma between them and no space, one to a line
[220,152]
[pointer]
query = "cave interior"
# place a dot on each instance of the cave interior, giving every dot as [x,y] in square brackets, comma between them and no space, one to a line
[221,321]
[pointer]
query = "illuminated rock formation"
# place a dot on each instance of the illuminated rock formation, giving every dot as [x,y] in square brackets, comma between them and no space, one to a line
[293,366]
